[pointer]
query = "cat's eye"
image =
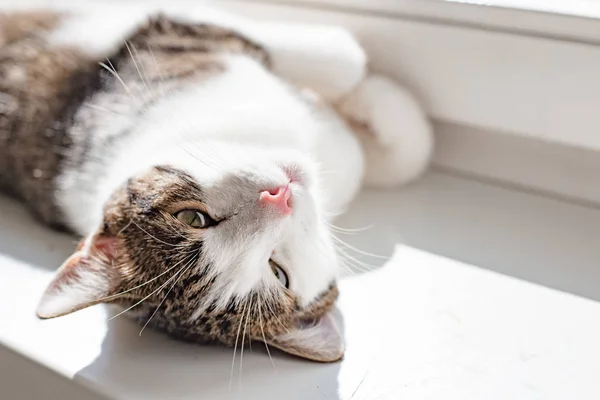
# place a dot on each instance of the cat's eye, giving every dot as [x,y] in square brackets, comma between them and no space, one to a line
[279,274]
[195,218]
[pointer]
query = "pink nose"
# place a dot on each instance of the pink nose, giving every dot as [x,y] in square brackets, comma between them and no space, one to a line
[280,197]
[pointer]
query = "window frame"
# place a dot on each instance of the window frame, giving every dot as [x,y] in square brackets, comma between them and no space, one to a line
[514,94]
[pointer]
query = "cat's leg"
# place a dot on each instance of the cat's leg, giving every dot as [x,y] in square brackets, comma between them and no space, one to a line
[395,132]
[326,59]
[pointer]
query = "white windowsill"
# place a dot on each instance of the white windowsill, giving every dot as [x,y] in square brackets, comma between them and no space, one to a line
[485,294]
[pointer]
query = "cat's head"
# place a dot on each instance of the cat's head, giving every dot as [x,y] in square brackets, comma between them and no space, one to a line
[228,252]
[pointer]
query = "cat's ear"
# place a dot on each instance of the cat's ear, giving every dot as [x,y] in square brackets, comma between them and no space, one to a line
[318,341]
[86,278]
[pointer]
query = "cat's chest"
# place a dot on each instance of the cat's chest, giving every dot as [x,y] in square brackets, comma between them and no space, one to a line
[244,104]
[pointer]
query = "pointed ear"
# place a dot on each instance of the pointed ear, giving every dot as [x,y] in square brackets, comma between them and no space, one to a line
[86,278]
[318,341]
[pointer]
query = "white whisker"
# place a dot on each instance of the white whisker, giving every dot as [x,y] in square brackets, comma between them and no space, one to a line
[348,230]
[182,273]
[243,339]
[237,336]
[103,109]
[162,83]
[143,284]
[359,251]
[346,268]
[135,64]
[260,304]
[357,264]
[276,317]
[113,71]
[144,299]
[123,229]
[157,239]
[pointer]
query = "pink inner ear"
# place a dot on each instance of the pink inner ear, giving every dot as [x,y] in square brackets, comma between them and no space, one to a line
[84,279]
[101,246]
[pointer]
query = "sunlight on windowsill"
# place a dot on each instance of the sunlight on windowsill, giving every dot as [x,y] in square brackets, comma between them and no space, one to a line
[580,8]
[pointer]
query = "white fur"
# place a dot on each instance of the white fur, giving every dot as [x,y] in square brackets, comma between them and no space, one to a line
[247,121]
[401,146]
[325,58]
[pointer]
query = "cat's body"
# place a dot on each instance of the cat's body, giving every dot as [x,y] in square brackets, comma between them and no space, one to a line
[207,114]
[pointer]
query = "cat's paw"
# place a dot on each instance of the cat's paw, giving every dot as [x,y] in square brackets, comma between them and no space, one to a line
[398,141]
[325,59]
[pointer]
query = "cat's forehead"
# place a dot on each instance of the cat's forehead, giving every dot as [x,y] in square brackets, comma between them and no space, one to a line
[163,186]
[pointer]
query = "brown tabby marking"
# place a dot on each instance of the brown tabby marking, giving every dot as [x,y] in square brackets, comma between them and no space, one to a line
[19,25]
[42,88]
[152,241]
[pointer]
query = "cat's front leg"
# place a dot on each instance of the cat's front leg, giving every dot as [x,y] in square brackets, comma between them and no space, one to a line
[326,59]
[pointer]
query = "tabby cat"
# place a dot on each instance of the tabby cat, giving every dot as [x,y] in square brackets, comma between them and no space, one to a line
[201,158]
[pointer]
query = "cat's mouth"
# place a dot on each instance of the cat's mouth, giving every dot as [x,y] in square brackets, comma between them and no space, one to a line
[294,173]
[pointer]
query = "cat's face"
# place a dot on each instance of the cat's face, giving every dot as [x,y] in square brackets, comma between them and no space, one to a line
[226,250]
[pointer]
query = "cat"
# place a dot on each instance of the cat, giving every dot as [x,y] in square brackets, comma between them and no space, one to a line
[201,157]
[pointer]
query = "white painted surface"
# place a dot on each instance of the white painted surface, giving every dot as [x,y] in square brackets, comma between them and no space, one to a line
[507,82]
[424,326]
[24,379]
[561,19]
[557,170]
